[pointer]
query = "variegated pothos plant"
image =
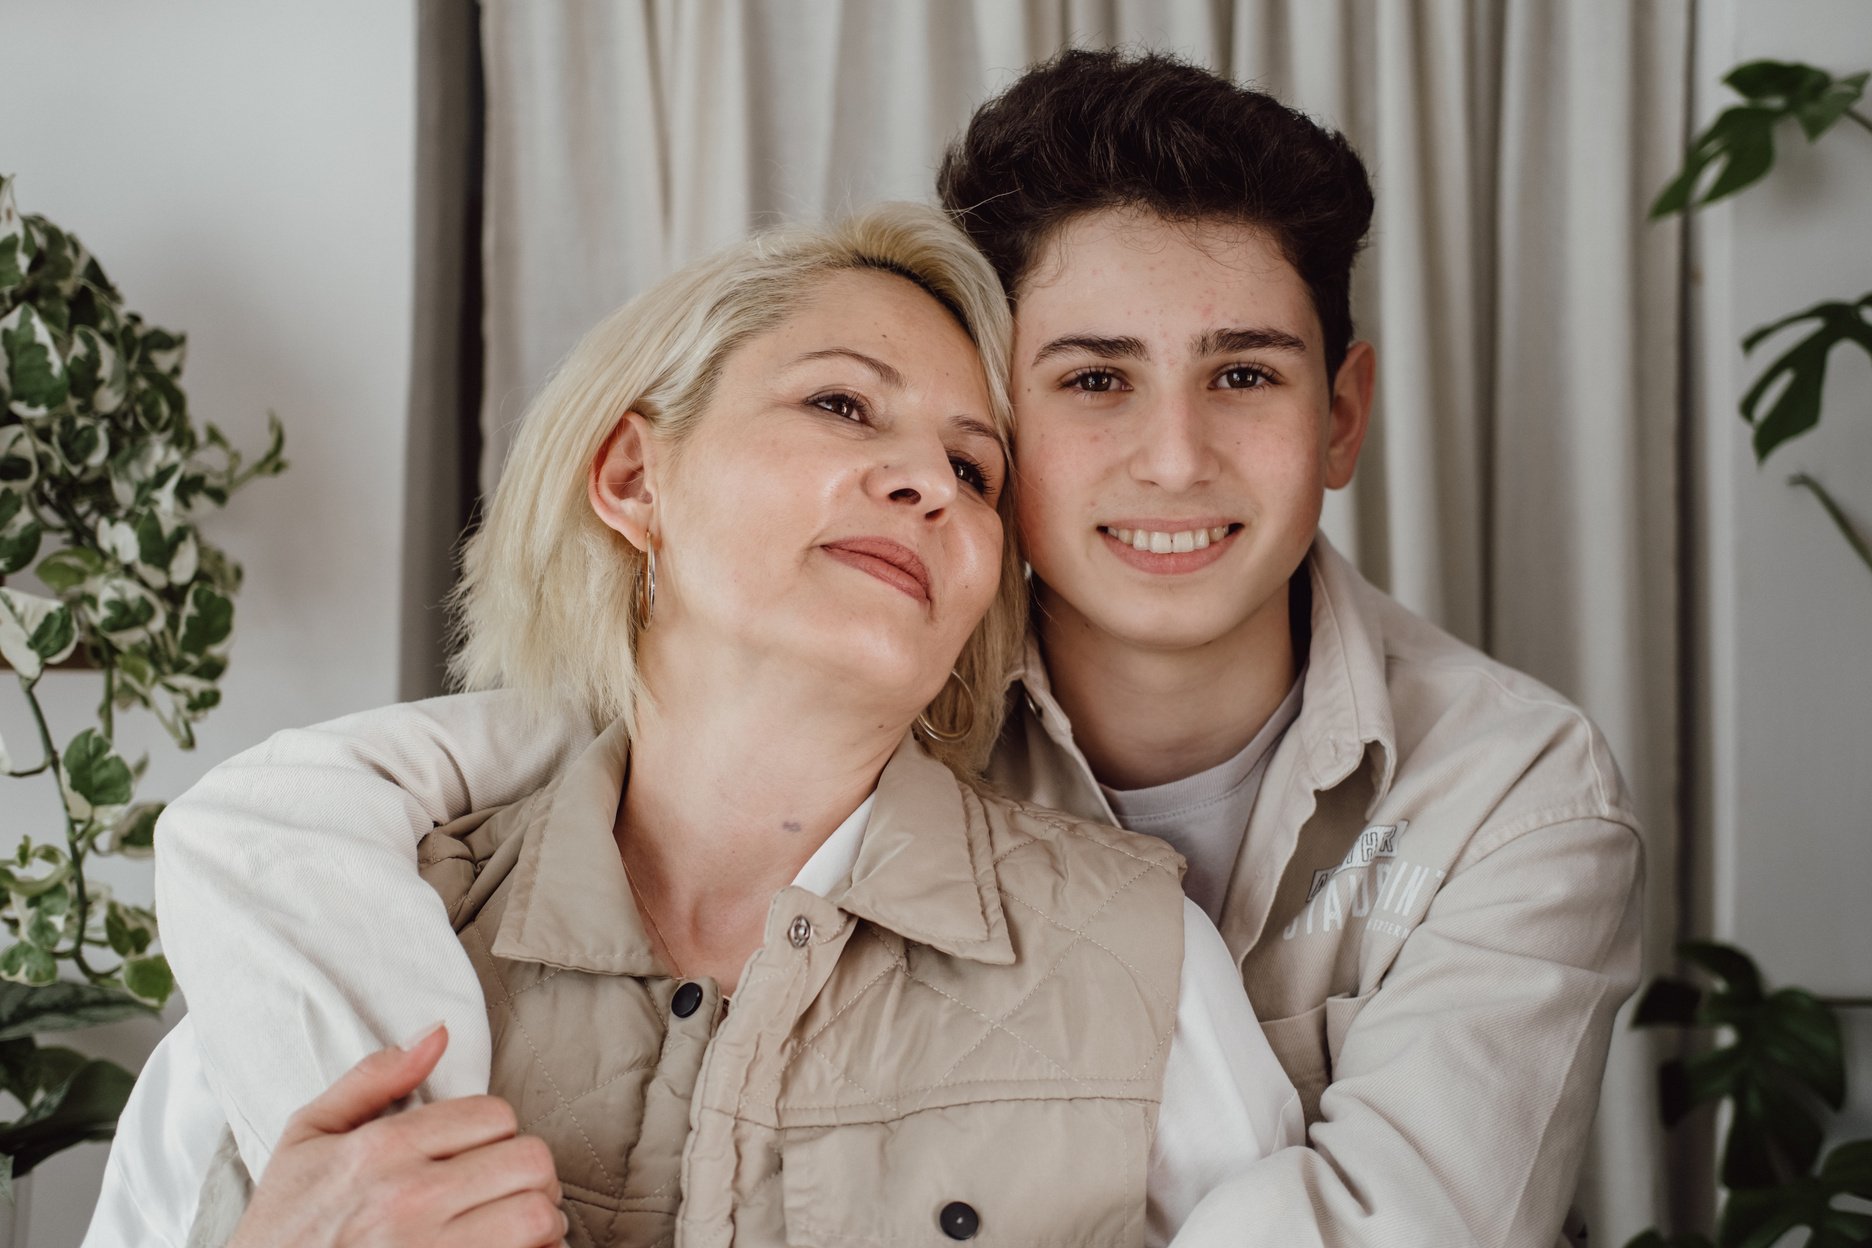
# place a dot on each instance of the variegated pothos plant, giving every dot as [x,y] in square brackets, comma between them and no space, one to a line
[102,473]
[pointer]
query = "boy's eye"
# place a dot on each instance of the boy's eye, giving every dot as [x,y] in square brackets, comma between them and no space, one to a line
[1094,381]
[840,404]
[1243,377]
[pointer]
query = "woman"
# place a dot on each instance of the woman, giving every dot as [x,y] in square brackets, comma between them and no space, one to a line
[757,525]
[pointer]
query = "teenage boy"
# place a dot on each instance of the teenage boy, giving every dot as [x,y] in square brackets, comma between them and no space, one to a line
[1425,862]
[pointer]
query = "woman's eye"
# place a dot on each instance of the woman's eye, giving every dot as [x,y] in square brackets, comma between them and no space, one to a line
[1244,377]
[1095,381]
[969,473]
[840,404]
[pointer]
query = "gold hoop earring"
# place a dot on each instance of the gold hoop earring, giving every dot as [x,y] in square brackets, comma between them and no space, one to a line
[646,584]
[950,738]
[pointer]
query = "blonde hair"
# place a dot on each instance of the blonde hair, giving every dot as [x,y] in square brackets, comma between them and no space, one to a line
[547,602]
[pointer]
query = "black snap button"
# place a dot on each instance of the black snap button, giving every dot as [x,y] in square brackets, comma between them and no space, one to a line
[958,1220]
[687,1000]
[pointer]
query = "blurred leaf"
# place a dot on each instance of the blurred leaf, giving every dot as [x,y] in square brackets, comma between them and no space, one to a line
[1667,1001]
[1758,1218]
[34,632]
[134,835]
[62,1006]
[94,773]
[20,533]
[1798,377]
[149,979]
[85,1107]
[27,964]
[1739,144]
[29,354]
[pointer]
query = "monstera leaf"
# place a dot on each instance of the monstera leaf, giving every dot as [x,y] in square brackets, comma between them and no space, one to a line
[1797,379]
[1739,144]
[1782,1059]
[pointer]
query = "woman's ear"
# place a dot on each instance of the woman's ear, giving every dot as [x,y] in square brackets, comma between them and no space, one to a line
[621,486]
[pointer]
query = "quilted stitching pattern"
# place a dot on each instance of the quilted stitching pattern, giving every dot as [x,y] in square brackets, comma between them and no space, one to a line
[1086,1011]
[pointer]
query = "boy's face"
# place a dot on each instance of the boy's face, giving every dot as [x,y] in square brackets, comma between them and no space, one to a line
[1176,428]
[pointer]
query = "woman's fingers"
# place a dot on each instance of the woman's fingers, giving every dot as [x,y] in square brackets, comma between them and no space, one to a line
[368,1088]
[524,1220]
[446,1128]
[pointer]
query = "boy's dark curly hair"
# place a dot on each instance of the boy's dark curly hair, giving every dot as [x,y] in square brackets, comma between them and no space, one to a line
[1091,130]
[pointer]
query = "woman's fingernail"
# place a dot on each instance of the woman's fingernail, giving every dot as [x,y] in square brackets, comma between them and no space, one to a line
[421,1036]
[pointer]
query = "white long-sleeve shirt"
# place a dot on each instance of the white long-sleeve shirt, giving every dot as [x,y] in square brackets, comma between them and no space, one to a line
[1226,1101]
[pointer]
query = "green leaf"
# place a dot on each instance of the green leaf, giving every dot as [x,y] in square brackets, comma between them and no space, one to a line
[20,533]
[19,461]
[1759,1217]
[28,964]
[34,632]
[85,1107]
[207,620]
[16,250]
[149,978]
[35,373]
[93,774]
[128,614]
[1736,970]
[1798,378]
[1739,145]
[134,835]
[62,1007]
[1740,142]
[65,570]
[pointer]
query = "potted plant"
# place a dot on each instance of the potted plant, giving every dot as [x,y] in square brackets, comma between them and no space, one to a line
[1776,1066]
[102,473]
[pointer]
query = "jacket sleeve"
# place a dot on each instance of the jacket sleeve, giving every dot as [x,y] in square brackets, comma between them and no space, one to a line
[1461,1097]
[299,930]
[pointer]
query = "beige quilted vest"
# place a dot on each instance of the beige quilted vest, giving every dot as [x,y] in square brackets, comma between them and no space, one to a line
[968,1042]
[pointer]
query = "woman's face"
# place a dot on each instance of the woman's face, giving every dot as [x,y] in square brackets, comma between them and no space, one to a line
[833,512]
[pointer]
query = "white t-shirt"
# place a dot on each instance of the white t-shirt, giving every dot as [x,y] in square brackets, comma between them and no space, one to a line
[1226,1101]
[1205,816]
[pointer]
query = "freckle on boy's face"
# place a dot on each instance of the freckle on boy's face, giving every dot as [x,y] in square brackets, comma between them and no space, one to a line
[1173,417]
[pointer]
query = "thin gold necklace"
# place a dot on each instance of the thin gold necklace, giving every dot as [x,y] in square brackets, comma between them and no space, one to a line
[644,908]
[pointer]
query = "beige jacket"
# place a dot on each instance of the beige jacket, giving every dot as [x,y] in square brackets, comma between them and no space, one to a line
[975,1029]
[1436,913]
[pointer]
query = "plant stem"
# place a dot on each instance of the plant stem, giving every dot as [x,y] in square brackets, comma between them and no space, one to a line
[1847,1003]
[1859,117]
[81,898]
[1836,514]
[107,712]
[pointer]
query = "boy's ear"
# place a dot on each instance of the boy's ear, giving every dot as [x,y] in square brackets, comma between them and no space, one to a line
[620,485]
[1350,415]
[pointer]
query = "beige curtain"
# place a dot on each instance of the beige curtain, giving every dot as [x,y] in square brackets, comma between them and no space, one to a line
[1521,483]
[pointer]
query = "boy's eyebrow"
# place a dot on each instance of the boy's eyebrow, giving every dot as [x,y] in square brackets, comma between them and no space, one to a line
[1222,341]
[1092,344]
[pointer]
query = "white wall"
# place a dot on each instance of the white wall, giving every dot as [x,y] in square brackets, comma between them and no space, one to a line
[245,173]
[1785,610]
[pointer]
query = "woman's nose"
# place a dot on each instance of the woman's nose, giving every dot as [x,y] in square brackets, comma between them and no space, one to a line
[917,476]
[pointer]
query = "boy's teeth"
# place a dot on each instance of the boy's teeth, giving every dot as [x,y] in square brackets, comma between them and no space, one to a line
[1177,543]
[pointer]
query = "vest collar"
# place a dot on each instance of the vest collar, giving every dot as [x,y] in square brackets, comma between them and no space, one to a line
[924,869]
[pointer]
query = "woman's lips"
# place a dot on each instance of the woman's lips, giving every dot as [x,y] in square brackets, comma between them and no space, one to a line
[1169,546]
[891,562]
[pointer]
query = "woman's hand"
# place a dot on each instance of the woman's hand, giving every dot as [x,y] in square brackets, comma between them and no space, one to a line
[450,1173]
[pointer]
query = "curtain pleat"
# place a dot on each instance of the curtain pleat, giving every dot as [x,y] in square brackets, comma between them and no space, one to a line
[1520,485]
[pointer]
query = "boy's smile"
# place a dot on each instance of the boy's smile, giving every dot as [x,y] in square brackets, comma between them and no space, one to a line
[1177,430]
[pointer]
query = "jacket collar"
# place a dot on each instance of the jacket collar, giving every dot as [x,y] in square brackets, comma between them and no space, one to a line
[1345,708]
[924,869]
